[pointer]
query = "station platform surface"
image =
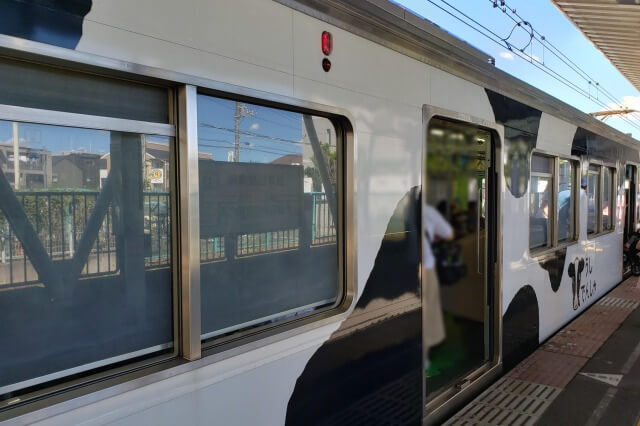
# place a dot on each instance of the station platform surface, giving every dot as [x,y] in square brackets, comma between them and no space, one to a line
[586,374]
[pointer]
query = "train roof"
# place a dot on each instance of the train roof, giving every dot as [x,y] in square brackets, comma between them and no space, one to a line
[398,28]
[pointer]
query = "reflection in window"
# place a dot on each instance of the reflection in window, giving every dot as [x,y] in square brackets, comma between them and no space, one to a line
[268,191]
[593,198]
[84,249]
[637,206]
[540,200]
[565,200]
[607,198]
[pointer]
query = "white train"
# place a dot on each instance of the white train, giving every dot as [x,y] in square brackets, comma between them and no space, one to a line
[210,213]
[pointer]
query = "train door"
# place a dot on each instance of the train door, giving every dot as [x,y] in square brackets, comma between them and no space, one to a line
[631,190]
[459,324]
[630,183]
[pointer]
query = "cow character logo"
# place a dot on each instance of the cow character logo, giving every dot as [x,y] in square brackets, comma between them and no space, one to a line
[575,272]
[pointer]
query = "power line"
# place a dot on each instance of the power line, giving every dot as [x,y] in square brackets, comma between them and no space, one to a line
[505,44]
[230,144]
[277,123]
[558,53]
[255,135]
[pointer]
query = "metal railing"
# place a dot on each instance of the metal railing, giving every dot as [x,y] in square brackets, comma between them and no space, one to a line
[59,219]
[157,228]
[267,242]
[323,229]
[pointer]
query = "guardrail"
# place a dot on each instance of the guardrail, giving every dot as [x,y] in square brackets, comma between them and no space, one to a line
[60,217]
[323,228]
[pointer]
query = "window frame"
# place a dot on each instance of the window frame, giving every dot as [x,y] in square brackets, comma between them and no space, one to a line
[254,337]
[45,385]
[634,200]
[187,345]
[612,204]
[613,196]
[551,220]
[552,228]
[598,202]
[636,194]
[574,208]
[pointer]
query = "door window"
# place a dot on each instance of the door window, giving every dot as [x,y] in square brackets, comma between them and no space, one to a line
[456,216]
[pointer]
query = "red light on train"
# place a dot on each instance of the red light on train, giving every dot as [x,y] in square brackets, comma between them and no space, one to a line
[327,43]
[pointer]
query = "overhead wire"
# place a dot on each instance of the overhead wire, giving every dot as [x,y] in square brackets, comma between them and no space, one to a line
[499,42]
[229,144]
[254,134]
[559,54]
[522,55]
[568,62]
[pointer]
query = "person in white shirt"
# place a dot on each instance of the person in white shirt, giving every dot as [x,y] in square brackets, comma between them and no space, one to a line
[436,229]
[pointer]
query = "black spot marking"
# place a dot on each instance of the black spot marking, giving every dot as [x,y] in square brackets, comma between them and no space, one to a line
[520,327]
[56,22]
[595,146]
[555,267]
[576,279]
[367,362]
[521,123]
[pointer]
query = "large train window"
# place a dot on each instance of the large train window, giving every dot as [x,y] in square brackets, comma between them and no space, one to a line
[269,182]
[85,242]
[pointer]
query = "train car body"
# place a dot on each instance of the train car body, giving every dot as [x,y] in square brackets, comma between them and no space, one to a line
[541,198]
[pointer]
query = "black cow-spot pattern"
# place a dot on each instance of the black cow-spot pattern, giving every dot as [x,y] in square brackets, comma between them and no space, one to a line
[349,378]
[56,22]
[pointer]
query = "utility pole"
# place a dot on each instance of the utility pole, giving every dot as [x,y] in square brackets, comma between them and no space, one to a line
[236,146]
[16,157]
[241,111]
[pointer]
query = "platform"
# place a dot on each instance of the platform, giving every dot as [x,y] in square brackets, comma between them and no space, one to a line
[586,374]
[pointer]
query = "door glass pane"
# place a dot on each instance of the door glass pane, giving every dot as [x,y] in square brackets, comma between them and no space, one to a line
[455,220]
[540,195]
[593,198]
[268,206]
[541,164]
[607,204]
[565,200]
[629,190]
[85,250]
[637,204]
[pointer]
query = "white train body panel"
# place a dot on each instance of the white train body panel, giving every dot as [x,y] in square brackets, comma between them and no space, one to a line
[269,48]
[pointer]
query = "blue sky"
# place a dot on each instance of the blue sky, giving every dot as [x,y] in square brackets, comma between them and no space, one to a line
[265,133]
[550,22]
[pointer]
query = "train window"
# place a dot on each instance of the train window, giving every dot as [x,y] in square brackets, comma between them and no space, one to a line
[269,184]
[85,242]
[608,206]
[637,214]
[566,200]
[552,201]
[32,85]
[593,198]
[540,201]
